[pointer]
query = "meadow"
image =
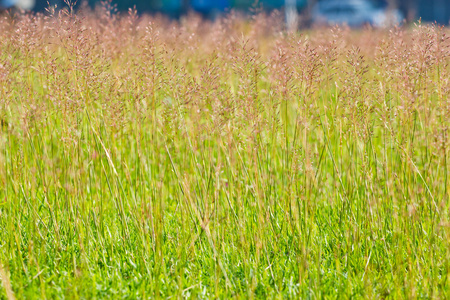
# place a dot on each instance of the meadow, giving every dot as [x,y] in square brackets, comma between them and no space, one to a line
[147,158]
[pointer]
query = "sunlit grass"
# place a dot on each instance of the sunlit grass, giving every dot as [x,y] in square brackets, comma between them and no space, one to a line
[142,158]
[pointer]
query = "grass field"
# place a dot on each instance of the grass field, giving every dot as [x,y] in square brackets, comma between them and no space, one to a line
[145,158]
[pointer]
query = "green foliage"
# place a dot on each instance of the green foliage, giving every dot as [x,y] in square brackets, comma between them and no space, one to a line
[141,158]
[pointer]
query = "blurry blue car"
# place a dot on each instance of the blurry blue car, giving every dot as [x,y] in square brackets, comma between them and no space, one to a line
[6,3]
[354,13]
[209,8]
[21,4]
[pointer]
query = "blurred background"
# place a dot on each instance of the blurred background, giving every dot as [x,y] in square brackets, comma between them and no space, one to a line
[298,13]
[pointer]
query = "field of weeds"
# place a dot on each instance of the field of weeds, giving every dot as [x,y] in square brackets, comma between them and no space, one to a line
[147,158]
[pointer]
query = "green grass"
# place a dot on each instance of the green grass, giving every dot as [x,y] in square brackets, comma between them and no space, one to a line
[146,159]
